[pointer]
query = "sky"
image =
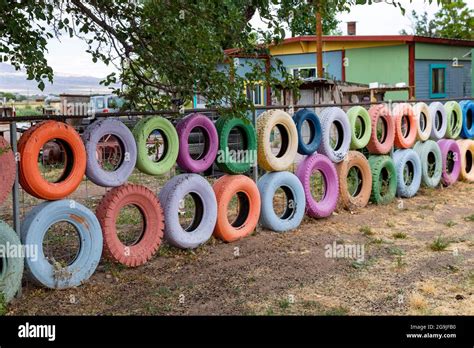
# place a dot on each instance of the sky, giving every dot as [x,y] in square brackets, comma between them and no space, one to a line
[68,57]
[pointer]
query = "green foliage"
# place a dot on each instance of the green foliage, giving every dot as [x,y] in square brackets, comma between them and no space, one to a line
[454,20]
[164,50]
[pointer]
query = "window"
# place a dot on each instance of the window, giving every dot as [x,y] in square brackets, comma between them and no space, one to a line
[99,103]
[255,93]
[304,73]
[438,81]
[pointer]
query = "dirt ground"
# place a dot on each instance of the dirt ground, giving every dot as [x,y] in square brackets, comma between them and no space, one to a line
[419,259]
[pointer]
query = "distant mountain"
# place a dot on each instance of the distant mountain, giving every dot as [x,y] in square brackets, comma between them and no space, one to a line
[16,82]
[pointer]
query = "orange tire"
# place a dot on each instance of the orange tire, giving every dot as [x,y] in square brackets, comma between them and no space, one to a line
[405,139]
[21,143]
[249,207]
[29,148]
[360,196]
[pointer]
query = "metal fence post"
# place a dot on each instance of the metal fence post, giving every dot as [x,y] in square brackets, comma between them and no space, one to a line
[16,187]
[255,164]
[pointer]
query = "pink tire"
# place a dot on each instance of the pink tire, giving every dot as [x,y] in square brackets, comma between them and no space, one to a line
[327,204]
[206,159]
[451,154]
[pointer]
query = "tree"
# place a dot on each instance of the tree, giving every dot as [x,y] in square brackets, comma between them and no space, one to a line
[420,25]
[454,20]
[164,50]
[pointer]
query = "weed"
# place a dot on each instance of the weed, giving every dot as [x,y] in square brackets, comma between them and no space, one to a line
[399,235]
[439,244]
[450,223]
[366,231]
[469,218]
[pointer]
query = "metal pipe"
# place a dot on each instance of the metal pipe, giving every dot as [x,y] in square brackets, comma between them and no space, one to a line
[173,112]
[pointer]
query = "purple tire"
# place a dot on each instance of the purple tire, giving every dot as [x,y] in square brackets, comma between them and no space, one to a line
[206,159]
[451,155]
[94,171]
[306,168]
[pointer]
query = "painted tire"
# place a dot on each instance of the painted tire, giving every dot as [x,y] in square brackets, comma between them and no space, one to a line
[8,169]
[404,140]
[281,161]
[33,230]
[451,167]
[424,121]
[440,121]
[383,144]
[361,195]
[184,128]
[11,270]
[431,162]
[29,148]
[467,130]
[310,147]
[338,118]
[455,118]
[383,170]
[205,219]
[225,160]
[92,135]
[108,212]
[359,137]
[142,130]
[467,158]
[407,161]
[268,184]
[306,168]
[247,193]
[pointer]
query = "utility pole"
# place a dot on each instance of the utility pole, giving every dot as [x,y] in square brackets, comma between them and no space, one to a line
[319,41]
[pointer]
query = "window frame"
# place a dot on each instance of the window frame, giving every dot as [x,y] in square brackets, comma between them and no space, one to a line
[433,67]
[254,85]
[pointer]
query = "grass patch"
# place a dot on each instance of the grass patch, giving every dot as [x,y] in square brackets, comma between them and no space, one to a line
[336,311]
[450,223]
[366,231]
[3,305]
[390,224]
[399,235]
[284,304]
[396,251]
[469,218]
[439,244]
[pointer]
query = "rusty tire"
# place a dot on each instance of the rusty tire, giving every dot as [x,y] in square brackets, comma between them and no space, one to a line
[148,243]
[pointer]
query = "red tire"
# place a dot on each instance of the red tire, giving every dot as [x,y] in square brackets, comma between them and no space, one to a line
[405,139]
[108,211]
[383,144]
[249,207]
[7,169]
[29,148]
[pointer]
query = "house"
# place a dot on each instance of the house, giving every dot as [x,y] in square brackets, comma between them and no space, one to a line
[434,68]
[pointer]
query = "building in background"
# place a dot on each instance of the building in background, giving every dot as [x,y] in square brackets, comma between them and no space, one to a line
[434,67]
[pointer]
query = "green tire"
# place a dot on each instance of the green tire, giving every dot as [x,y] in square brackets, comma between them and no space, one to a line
[142,131]
[454,112]
[384,179]
[11,268]
[225,159]
[360,134]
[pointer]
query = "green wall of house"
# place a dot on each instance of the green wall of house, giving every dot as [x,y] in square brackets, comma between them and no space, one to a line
[440,52]
[379,64]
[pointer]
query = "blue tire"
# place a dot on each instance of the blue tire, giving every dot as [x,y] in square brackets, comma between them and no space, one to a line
[467,130]
[408,167]
[295,201]
[310,147]
[33,231]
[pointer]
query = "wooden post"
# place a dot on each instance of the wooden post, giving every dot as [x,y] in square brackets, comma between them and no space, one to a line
[319,43]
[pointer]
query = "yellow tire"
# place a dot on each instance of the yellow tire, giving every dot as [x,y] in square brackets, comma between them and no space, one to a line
[467,159]
[280,160]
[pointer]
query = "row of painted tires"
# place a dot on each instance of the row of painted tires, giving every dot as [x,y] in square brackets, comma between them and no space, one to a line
[98,232]
[357,129]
